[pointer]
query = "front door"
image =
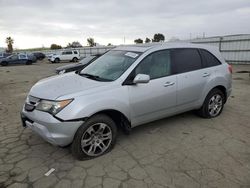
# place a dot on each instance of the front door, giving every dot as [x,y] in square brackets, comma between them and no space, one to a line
[157,98]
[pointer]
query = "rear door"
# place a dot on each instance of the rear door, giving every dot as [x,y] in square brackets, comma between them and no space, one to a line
[69,56]
[22,58]
[191,78]
[157,98]
[63,56]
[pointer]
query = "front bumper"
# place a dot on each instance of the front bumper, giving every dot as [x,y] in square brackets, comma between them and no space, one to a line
[51,129]
[51,59]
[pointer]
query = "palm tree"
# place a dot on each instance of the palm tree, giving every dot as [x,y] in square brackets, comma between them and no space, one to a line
[9,41]
[91,42]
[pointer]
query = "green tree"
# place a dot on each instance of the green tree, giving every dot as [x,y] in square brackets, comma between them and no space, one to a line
[158,38]
[138,41]
[147,40]
[55,46]
[74,44]
[9,41]
[91,42]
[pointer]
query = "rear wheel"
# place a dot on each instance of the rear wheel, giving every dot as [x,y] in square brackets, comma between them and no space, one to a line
[213,104]
[74,59]
[94,138]
[4,63]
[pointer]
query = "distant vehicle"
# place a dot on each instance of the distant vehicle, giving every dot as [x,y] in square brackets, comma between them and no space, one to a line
[17,59]
[3,55]
[77,67]
[67,55]
[49,56]
[39,55]
[32,57]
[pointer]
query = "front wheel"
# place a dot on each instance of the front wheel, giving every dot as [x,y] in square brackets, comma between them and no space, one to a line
[213,104]
[4,63]
[94,138]
[28,62]
[57,60]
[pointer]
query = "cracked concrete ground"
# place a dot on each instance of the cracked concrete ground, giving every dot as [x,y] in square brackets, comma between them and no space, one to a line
[181,151]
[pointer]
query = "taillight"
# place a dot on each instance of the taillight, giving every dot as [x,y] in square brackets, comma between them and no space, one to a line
[230,68]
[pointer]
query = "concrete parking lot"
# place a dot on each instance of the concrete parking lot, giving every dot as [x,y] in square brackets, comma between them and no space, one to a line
[181,151]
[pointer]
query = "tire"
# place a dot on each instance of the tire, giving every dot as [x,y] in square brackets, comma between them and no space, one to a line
[28,62]
[4,63]
[57,60]
[74,59]
[208,108]
[93,133]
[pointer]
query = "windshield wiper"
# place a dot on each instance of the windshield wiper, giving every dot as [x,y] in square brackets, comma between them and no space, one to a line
[94,77]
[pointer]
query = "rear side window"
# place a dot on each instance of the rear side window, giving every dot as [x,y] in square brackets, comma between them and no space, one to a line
[156,65]
[75,52]
[186,60]
[208,59]
[69,52]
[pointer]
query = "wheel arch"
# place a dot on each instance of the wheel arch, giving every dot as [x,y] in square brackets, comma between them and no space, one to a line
[121,120]
[223,90]
[4,63]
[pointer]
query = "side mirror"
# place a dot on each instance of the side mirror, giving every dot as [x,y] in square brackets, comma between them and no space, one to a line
[141,78]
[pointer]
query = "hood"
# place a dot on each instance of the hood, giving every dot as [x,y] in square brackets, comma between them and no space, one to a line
[56,86]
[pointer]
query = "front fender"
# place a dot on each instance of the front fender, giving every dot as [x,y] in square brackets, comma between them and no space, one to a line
[88,105]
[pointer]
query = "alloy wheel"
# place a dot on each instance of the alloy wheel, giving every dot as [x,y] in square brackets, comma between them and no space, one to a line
[96,139]
[215,105]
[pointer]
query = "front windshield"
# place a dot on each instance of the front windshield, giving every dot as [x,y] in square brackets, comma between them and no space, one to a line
[111,65]
[12,57]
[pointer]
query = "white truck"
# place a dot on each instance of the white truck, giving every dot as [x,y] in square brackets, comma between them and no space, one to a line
[66,55]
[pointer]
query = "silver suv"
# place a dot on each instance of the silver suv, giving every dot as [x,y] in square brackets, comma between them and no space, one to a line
[126,87]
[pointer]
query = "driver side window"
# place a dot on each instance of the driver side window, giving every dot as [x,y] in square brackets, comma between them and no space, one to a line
[156,65]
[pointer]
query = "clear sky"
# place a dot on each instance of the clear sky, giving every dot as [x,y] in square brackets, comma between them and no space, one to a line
[37,23]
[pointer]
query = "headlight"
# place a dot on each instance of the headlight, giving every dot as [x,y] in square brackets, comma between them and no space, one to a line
[52,107]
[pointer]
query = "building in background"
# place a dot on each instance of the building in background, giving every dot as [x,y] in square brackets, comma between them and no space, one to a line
[234,48]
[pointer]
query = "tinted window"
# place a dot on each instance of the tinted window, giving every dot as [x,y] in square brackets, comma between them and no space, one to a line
[155,65]
[185,60]
[69,52]
[208,59]
[75,52]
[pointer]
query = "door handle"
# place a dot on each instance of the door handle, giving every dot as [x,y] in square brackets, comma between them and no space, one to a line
[206,74]
[168,84]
